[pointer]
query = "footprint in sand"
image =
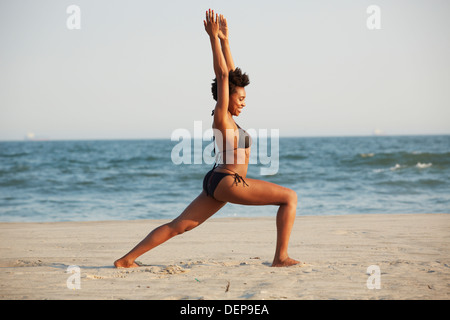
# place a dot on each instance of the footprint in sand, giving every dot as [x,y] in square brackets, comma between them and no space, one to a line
[25,263]
[171,269]
[175,269]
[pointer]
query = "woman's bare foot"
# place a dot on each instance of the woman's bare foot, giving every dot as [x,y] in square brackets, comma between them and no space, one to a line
[122,263]
[284,263]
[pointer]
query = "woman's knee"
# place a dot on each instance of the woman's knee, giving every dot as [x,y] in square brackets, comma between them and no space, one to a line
[291,197]
[178,228]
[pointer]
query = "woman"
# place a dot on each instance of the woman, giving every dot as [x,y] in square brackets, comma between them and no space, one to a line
[227,181]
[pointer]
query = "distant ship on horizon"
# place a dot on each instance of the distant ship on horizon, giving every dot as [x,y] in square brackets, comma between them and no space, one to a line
[378,132]
[32,137]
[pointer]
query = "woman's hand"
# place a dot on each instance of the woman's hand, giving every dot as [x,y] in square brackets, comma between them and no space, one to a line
[212,24]
[223,28]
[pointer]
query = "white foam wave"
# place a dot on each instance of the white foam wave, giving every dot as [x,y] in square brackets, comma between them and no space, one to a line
[367,155]
[423,165]
[396,167]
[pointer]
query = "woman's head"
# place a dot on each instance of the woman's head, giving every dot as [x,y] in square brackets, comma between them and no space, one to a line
[236,83]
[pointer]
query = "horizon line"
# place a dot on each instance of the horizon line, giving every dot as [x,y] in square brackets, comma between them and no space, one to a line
[281,136]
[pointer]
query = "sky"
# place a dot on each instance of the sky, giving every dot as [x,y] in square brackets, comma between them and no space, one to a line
[141,69]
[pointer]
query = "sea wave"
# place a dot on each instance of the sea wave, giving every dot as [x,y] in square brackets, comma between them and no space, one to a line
[397,160]
[366,155]
[423,165]
[398,166]
[413,184]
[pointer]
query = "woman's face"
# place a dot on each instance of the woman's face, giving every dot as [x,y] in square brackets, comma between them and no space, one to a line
[237,101]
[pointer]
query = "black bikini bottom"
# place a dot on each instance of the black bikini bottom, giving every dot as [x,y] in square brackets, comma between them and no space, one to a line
[212,179]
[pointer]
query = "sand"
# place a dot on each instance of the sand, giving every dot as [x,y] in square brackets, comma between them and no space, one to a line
[229,259]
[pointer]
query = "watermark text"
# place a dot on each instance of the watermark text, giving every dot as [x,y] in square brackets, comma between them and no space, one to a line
[190,150]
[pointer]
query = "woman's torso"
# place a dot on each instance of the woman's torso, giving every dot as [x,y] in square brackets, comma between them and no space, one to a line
[233,153]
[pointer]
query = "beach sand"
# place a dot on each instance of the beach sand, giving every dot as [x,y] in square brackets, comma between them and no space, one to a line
[229,258]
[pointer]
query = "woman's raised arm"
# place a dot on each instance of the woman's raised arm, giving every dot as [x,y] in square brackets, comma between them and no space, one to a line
[223,36]
[212,29]
[220,68]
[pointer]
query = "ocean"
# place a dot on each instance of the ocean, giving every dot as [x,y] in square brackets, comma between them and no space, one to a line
[44,181]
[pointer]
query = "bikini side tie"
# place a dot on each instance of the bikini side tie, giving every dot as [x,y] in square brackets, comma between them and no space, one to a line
[238,178]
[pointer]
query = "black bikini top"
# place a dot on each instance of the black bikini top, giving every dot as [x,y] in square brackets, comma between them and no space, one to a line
[245,141]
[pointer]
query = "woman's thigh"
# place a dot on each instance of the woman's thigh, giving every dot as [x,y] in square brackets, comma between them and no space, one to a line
[200,209]
[258,192]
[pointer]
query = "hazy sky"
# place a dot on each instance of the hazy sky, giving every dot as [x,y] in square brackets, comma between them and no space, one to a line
[142,69]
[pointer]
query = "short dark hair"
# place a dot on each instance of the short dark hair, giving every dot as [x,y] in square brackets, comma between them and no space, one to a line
[235,79]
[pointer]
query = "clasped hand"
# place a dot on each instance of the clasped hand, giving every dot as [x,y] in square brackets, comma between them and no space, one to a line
[216,25]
